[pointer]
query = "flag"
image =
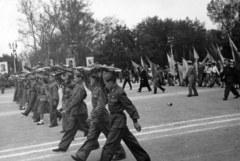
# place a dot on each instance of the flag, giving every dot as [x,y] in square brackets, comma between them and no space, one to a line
[215,52]
[145,66]
[196,57]
[220,55]
[210,58]
[235,53]
[184,68]
[152,65]
[191,57]
[169,60]
[135,66]
[180,72]
[195,54]
[171,64]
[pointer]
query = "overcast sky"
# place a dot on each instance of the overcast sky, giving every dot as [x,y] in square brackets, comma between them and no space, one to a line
[130,11]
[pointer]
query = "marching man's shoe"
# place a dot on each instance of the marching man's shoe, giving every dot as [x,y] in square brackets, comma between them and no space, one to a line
[119,157]
[59,150]
[75,157]
[237,96]
[24,114]
[53,125]
[189,95]
[225,99]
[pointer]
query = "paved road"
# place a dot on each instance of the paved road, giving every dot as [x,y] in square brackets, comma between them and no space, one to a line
[203,128]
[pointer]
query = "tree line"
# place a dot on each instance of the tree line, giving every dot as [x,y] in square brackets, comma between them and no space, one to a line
[65,28]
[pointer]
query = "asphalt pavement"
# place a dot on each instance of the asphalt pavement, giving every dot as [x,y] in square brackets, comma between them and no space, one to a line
[203,128]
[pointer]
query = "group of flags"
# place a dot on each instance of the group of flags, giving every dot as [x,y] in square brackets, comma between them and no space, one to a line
[214,55]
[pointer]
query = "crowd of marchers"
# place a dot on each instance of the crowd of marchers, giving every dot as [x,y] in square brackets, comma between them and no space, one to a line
[204,75]
[37,92]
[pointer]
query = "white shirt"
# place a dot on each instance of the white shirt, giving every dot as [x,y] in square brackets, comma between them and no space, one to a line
[215,70]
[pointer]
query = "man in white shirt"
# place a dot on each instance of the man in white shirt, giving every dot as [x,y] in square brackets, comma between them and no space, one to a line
[215,75]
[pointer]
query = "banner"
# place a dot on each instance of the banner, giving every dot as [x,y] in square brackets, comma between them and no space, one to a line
[27,64]
[3,67]
[90,61]
[70,62]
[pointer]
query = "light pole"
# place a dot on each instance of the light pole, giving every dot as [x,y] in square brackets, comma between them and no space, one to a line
[14,48]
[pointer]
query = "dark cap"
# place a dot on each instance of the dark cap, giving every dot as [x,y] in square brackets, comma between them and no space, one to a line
[78,74]
[95,76]
[109,76]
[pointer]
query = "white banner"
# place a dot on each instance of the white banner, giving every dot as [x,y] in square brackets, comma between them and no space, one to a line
[70,61]
[25,63]
[90,61]
[3,67]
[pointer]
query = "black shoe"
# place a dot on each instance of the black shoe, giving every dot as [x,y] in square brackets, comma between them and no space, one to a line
[139,91]
[150,90]
[119,157]
[189,95]
[63,131]
[195,95]
[24,114]
[163,90]
[75,157]
[53,125]
[59,150]
[155,93]
[225,99]
[130,89]
[237,96]
[36,120]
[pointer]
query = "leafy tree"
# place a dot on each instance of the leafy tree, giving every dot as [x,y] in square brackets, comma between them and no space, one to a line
[225,13]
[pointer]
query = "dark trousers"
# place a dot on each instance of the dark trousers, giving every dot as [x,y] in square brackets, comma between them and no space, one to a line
[65,118]
[92,140]
[75,123]
[214,80]
[54,113]
[144,84]
[36,115]
[192,87]
[230,87]
[127,81]
[113,141]
[31,102]
[15,94]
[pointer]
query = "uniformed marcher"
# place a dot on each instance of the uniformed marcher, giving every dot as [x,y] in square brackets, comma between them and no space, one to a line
[192,79]
[99,123]
[158,79]
[32,96]
[143,80]
[118,102]
[67,93]
[229,78]
[44,103]
[126,76]
[54,113]
[78,114]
